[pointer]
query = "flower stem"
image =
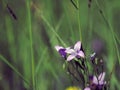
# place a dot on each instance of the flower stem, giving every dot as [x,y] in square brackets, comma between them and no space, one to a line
[31,43]
[2,58]
[79,25]
[110,27]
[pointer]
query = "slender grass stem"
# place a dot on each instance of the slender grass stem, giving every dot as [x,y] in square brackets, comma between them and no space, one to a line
[48,24]
[45,49]
[31,43]
[40,61]
[87,69]
[14,69]
[79,24]
[53,30]
[113,68]
[110,27]
[117,39]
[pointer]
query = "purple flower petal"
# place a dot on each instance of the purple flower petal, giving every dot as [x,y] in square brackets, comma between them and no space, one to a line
[81,54]
[70,57]
[95,80]
[67,48]
[87,88]
[99,87]
[58,47]
[62,52]
[70,51]
[101,78]
[77,46]
[91,77]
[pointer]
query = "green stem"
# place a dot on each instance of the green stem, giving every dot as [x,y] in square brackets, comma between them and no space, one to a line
[110,27]
[31,44]
[49,25]
[79,25]
[13,68]
[53,30]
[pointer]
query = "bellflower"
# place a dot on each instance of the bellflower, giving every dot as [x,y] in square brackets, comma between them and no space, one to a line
[76,52]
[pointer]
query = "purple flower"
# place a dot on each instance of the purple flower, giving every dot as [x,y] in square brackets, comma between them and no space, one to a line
[96,83]
[76,52]
[61,50]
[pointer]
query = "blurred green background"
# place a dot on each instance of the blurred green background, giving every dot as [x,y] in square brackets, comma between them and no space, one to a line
[28,59]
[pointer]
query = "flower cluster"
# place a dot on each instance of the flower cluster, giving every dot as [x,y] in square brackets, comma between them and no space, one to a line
[91,79]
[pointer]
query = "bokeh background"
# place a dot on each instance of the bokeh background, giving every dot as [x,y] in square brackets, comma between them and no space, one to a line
[29,30]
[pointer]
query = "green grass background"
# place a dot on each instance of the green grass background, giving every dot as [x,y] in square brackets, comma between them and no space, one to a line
[28,60]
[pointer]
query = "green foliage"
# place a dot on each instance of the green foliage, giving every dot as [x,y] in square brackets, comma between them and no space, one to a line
[27,44]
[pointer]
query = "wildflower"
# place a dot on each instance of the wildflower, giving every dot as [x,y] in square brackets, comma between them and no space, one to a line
[96,83]
[100,79]
[61,50]
[76,52]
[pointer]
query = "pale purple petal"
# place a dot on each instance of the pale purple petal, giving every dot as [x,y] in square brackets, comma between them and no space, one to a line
[101,82]
[81,54]
[70,51]
[87,88]
[95,80]
[67,48]
[101,78]
[70,57]
[58,47]
[77,46]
